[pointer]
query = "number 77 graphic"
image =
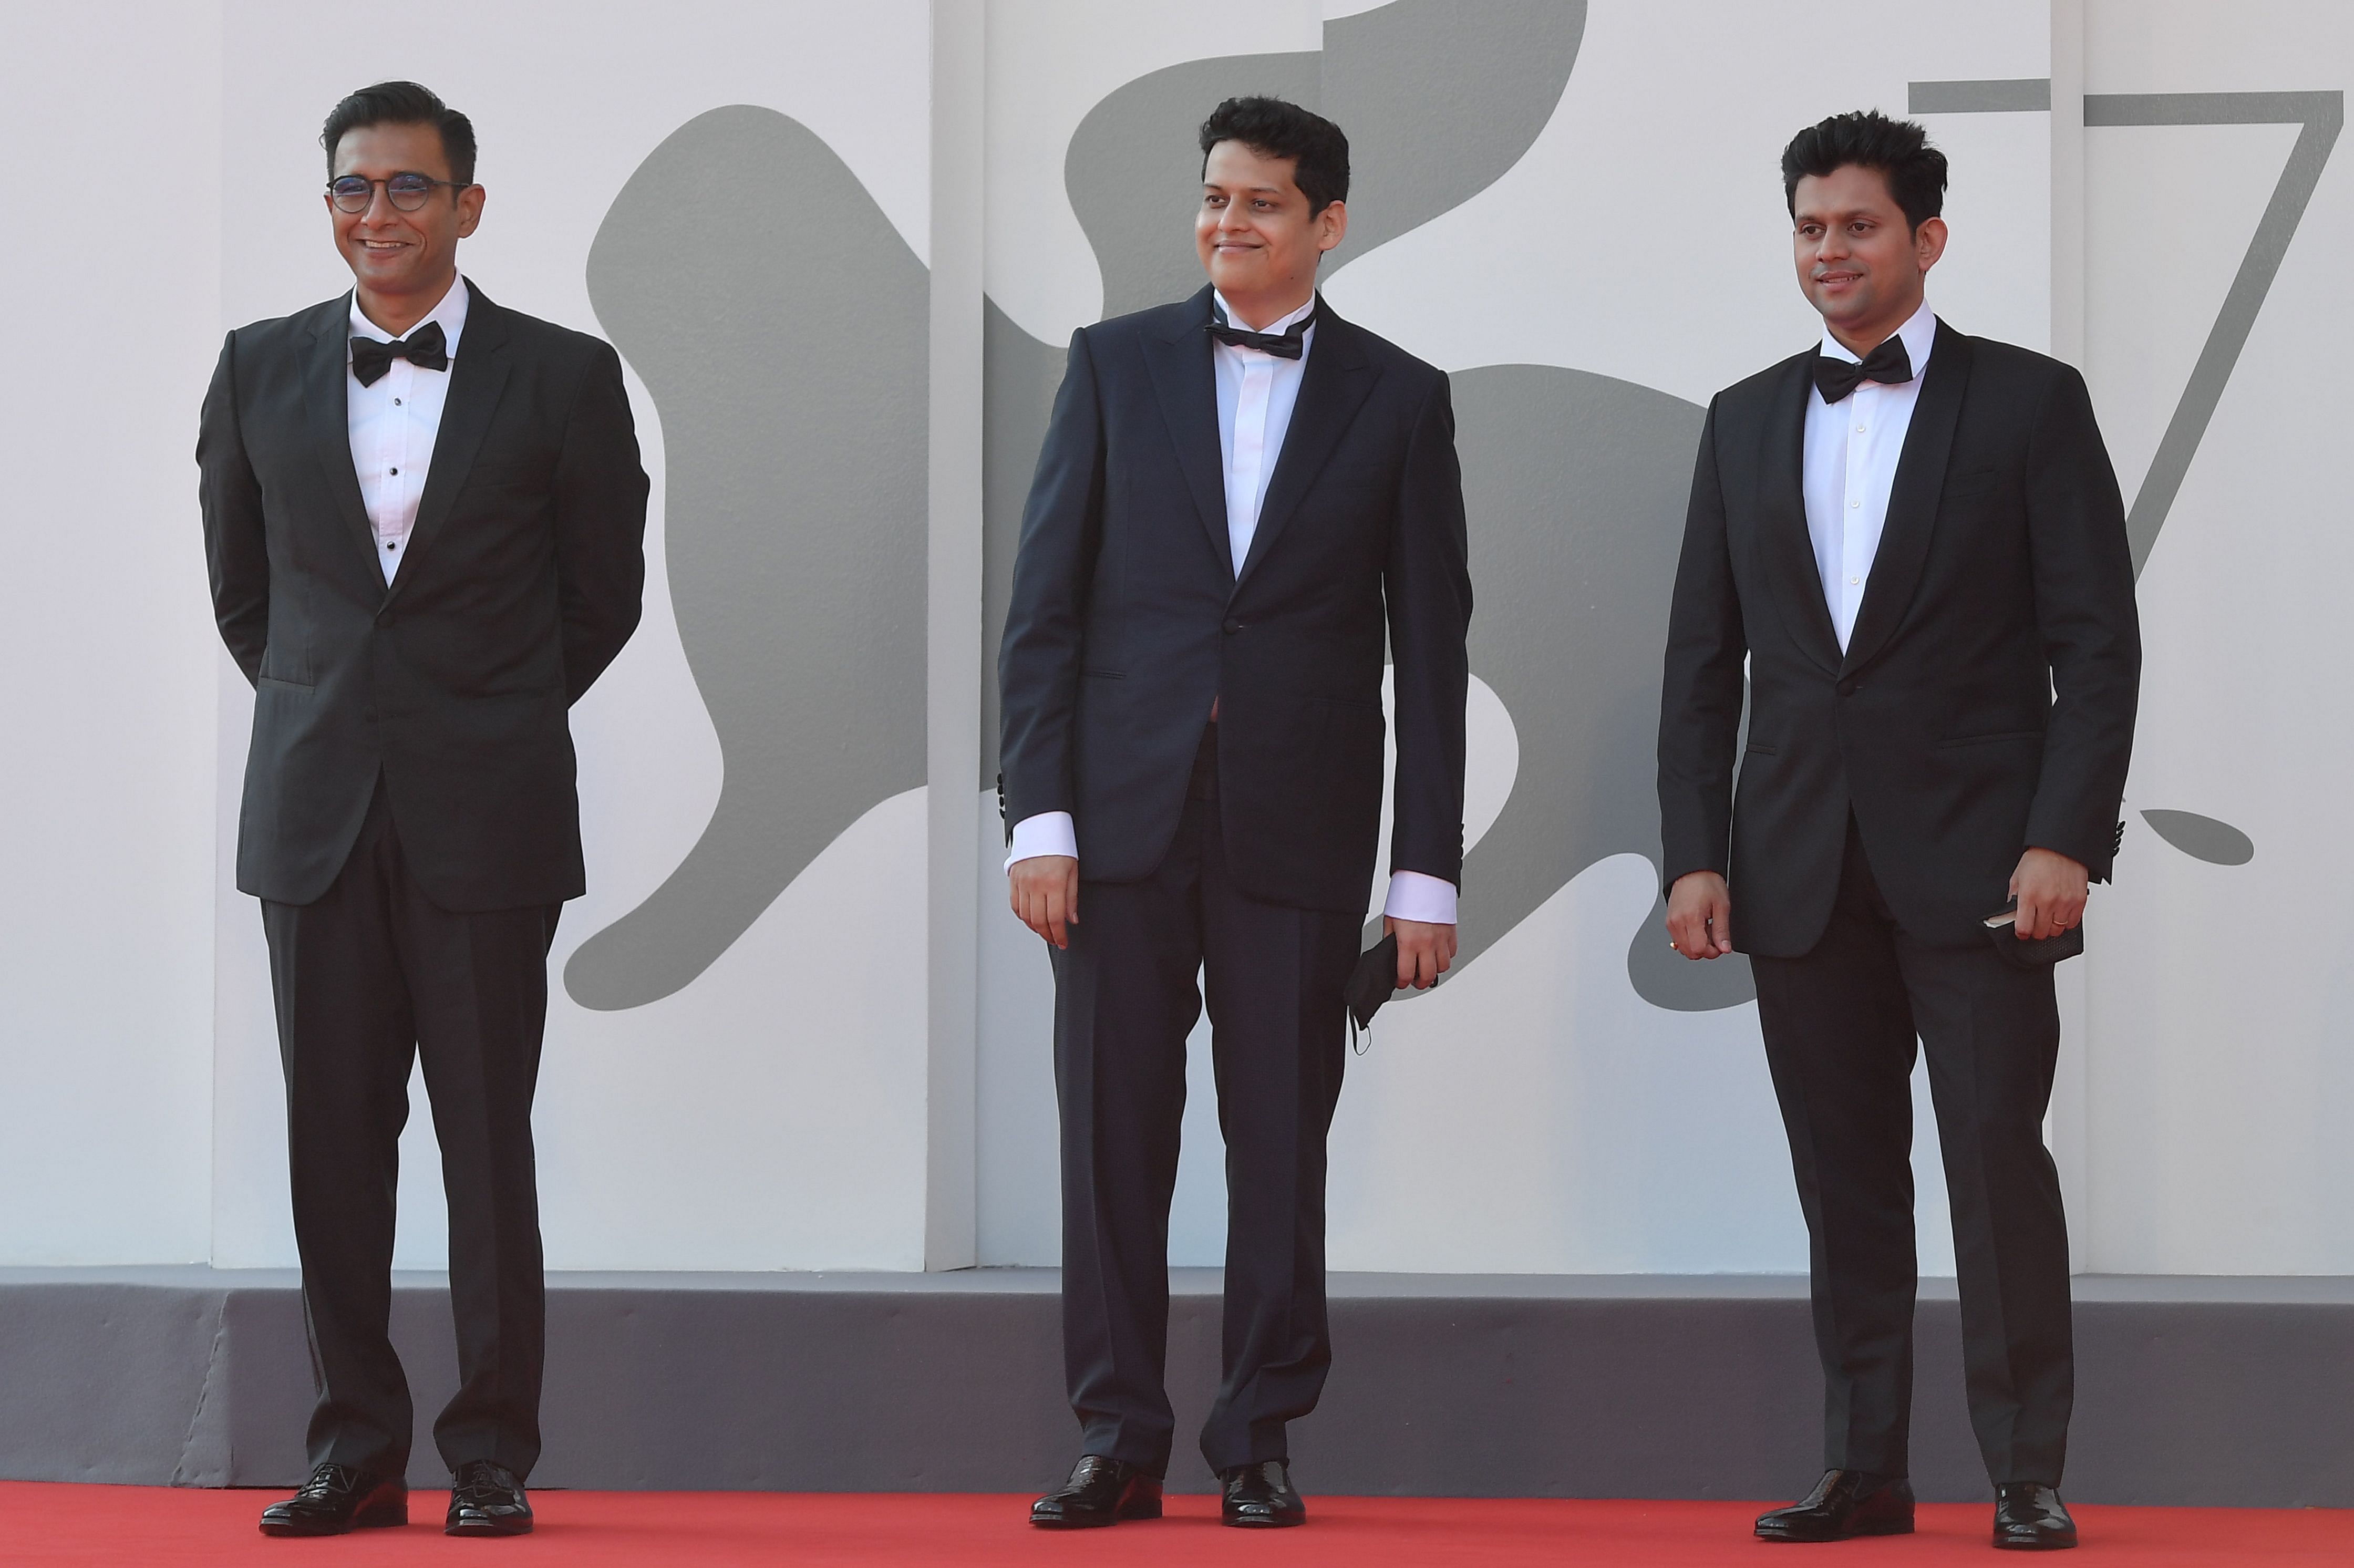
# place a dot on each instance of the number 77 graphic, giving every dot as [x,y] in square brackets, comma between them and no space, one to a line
[2320,116]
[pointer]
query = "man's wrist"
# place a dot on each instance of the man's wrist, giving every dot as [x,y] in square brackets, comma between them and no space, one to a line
[1418,897]
[1046,834]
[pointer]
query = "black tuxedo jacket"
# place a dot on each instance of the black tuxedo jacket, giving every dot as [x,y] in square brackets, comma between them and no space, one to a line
[1986,700]
[1127,617]
[521,581]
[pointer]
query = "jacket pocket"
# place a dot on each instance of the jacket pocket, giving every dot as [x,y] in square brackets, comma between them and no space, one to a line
[1952,741]
[1975,482]
[1760,749]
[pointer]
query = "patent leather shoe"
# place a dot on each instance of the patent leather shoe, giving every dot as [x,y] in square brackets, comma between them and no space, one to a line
[1101,1492]
[336,1499]
[1260,1497]
[487,1500]
[1844,1504]
[2029,1516]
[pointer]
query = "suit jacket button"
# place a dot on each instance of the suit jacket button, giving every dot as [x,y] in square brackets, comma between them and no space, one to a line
[1233,627]
[1847,688]
[384,618]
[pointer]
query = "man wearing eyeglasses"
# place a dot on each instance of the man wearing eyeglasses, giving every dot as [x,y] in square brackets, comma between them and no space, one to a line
[424,516]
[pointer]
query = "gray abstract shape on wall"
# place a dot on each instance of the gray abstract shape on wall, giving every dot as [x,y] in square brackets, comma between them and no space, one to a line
[788,360]
[1574,486]
[2203,838]
[1439,100]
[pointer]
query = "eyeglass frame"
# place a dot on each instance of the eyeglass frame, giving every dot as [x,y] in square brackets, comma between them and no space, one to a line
[387,183]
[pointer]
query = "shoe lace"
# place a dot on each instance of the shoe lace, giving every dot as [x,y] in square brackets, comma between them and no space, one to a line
[328,1481]
[478,1481]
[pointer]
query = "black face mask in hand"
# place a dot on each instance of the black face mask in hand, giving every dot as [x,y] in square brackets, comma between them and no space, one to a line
[1372,982]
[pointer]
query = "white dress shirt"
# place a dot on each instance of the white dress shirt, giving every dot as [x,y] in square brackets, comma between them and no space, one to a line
[393,425]
[1257,393]
[1851,449]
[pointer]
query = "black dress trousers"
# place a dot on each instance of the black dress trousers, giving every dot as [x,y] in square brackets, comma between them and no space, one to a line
[368,977]
[1127,994]
[1840,1025]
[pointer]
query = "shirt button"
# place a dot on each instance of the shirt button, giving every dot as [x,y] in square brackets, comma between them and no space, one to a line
[1859,429]
[1853,581]
[1852,505]
[395,403]
[396,471]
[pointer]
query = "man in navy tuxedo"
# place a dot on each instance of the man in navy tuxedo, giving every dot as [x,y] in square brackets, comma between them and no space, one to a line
[1245,503]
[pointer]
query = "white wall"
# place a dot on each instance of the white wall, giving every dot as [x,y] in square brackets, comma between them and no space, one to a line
[785,1110]
[2222,1064]
[112,268]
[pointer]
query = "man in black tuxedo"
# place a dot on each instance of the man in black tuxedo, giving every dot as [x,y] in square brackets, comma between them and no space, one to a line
[1239,496]
[1913,542]
[424,517]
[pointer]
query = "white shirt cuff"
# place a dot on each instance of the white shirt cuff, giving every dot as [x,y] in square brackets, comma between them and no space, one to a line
[1049,832]
[1413,896]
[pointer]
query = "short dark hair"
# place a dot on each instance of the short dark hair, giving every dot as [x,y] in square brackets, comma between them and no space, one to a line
[404,103]
[1898,149]
[1274,129]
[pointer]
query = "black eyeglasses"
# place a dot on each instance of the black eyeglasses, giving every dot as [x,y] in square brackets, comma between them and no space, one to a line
[407,192]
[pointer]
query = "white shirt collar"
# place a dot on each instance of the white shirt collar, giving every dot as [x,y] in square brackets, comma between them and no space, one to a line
[1276,327]
[451,313]
[1919,333]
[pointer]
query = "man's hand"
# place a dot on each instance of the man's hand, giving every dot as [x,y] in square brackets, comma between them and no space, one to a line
[1425,950]
[1045,891]
[1700,915]
[2051,890]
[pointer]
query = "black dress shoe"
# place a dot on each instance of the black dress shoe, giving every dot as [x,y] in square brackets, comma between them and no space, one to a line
[338,1499]
[1260,1497]
[1101,1491]
[1844,1503]
[2029,1516]
[487,1500]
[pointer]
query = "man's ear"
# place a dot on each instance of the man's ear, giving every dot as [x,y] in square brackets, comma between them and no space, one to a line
[1929,241]
[1332,225]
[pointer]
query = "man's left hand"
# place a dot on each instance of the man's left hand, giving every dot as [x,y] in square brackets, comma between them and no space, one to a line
[1424,949]
[2051,890]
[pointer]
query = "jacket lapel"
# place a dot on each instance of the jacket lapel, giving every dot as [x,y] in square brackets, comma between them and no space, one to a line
[1331,389]
[326,379]
[1788,546]
[1179,361]
[1913,498]
[478,374]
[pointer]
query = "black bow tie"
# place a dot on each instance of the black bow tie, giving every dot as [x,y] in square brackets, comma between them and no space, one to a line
[1289,344]
[422,348]
[1888,364]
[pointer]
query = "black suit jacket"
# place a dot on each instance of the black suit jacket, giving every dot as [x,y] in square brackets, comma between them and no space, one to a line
[1127,617]
[521,582]
[1985,702]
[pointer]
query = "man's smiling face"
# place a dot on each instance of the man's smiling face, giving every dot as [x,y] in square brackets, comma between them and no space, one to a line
[1859,262]
[390,252]
[1257,237]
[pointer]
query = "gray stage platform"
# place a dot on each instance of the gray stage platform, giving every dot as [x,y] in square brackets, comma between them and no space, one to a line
[2190,1389]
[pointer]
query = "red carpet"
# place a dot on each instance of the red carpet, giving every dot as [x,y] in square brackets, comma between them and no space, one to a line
[163,1528]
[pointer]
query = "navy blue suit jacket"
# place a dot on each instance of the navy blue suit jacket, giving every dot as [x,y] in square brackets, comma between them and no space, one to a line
[1129,619]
